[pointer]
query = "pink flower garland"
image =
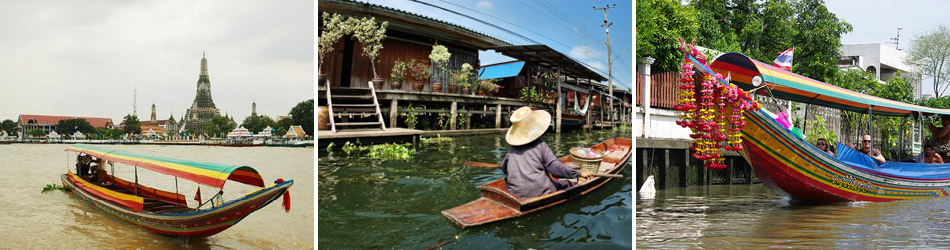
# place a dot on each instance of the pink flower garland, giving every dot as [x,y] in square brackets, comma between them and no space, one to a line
[705,111]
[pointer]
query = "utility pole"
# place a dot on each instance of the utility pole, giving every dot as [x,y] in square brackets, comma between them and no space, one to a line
[135,94]
[897,40]
[610,64]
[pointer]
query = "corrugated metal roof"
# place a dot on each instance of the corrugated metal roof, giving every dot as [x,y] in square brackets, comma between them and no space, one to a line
[539,54]
[96,122]
[501,70]
[415,22]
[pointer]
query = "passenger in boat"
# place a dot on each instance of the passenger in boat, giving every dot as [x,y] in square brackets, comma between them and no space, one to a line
[98,171]
[529,160]
[941,139]
[821,144]
[872,152]
[930,156]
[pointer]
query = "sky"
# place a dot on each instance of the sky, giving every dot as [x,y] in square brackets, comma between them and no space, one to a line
[877,21]
[571,27]
[87,59]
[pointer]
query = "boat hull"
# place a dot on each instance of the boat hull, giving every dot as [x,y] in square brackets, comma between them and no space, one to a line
[498,204]
[201,223]
[788,166]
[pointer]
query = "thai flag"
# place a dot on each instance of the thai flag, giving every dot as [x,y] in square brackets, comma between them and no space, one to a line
[784,60]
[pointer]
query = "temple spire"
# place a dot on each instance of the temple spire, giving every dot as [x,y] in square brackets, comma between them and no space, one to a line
[204,65]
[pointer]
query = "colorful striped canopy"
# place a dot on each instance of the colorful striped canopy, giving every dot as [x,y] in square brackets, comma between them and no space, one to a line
[211,174]
[791,86]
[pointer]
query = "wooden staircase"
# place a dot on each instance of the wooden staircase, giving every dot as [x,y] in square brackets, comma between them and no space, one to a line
[357,106]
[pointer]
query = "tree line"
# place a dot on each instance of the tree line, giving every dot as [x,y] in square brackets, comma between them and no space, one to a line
[758,29]
[301,114]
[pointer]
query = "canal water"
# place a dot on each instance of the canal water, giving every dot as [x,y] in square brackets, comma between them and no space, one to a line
[754,217]
[60,220]
[365,203]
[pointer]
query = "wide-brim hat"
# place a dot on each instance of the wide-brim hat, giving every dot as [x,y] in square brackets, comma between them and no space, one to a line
[527,125]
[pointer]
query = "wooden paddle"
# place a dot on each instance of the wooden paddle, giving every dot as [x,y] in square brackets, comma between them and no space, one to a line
[492,165]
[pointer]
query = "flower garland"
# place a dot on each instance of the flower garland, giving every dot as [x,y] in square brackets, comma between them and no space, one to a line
[715,126]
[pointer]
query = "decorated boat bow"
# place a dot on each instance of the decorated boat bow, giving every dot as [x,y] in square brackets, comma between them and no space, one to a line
[715,127]
[717,111]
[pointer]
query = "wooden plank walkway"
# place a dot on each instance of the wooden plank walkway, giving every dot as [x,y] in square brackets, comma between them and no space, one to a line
[466,132]
[369,136]
[360,133]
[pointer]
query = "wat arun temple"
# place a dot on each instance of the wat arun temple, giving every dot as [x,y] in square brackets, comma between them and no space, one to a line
[202,109]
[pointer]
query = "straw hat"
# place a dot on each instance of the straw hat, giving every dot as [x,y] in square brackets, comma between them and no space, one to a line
[527,125]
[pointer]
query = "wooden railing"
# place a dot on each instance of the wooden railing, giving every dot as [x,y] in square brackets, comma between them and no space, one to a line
[662,89]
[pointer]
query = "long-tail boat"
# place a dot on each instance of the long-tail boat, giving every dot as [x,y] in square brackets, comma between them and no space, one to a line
[166,212]
[498,204]
[789,165]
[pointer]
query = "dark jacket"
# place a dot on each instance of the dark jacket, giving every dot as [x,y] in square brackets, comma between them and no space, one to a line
[526,168]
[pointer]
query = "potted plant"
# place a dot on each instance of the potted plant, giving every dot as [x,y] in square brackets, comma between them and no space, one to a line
[461,78]
[419,72]
[440,58]
[398,74]
[333,29]
[487,87]
[453,82]
[371,38]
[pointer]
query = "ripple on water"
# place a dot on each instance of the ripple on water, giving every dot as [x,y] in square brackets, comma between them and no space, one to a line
[404,210]
[751,216]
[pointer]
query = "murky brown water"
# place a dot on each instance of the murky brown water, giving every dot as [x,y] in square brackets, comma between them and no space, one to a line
[754,217]
[60,220]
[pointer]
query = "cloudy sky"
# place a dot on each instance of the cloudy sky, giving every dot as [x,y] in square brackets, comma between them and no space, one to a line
[877,21]
[571,27]
[86,59]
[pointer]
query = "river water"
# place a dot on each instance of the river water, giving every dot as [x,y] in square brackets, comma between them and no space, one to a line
[366,203]
[754,217]
[60,220]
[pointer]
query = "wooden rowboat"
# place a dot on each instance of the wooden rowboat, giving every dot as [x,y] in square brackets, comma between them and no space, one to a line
[166,212]
[498,204]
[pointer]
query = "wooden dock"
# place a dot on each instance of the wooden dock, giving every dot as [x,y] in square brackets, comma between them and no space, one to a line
[671,164]
[369,136]
[467,132]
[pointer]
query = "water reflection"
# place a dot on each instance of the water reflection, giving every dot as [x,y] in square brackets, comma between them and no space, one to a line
[751,216]
[401,201]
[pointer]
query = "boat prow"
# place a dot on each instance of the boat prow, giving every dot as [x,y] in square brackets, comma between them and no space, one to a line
[167,212]
[498,204]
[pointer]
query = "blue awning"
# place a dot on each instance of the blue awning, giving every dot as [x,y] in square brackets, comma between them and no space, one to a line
[500,70]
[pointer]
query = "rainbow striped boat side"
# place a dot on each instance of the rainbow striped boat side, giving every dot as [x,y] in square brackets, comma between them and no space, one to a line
[164,212]
[791,166]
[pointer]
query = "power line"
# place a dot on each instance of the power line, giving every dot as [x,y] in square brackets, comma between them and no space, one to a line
[549,17]
[510,32]
[503,20]
[564,15]
[581,30]
[477,20]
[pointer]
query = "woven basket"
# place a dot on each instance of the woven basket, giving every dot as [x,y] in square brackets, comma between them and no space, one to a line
[580,158]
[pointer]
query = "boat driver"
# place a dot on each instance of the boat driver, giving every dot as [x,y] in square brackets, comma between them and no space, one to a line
[83,162]
[529,160]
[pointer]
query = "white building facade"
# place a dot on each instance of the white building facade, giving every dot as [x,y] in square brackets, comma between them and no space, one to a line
[881,60]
